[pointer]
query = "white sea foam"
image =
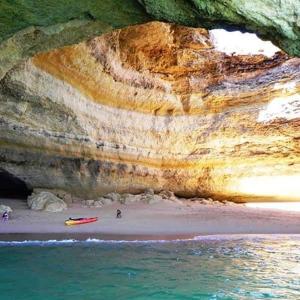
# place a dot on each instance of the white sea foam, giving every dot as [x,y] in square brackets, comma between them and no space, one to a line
[87,241]
[37,242]
[202,238]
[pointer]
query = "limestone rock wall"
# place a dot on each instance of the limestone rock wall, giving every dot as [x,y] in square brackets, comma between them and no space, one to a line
[154,106]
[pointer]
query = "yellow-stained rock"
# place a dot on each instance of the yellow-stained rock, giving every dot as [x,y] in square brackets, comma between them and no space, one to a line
[154,106]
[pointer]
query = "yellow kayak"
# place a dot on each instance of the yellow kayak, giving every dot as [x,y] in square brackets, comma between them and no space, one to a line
[80,221]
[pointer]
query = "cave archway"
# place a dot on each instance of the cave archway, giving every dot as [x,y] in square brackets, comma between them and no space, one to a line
[44,25]
[12,187]
[159,106]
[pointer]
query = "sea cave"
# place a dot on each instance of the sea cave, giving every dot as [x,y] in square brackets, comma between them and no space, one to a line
[90,109]
[149,149]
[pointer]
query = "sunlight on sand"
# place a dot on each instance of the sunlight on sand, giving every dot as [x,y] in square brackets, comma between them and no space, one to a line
[277,187]
[289,206]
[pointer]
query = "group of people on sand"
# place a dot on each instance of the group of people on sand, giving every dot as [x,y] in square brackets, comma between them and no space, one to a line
[5,215]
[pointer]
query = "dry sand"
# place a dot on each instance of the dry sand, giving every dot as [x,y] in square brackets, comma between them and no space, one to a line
[148,221]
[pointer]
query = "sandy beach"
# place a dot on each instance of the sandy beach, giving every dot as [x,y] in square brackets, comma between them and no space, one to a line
[148,221]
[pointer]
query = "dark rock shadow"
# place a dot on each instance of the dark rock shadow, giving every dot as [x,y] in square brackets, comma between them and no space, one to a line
[12,187]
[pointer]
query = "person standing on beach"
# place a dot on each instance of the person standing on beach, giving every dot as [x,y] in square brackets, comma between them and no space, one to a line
[5,216]
[119,214]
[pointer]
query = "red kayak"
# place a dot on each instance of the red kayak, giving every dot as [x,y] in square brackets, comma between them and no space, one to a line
[79,221]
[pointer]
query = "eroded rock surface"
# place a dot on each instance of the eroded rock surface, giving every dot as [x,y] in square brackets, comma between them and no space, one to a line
[150,197]
[154,106]
[46,201]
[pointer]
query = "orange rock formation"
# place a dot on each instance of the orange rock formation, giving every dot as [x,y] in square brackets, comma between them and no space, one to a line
[155,106]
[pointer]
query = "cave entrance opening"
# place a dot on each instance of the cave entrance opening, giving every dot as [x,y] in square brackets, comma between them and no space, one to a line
[241,43]
[13,187]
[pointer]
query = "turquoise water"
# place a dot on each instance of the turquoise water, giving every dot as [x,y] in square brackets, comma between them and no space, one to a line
[209,268]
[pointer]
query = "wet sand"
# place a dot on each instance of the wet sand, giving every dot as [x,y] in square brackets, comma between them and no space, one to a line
[165,220]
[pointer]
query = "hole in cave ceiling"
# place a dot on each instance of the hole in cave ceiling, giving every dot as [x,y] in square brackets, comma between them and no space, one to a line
[241,43]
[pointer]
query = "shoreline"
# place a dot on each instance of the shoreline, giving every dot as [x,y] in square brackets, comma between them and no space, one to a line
[61,238]
[93,237]
[144,222]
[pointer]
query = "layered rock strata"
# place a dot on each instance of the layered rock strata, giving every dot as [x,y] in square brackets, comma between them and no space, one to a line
[154,106]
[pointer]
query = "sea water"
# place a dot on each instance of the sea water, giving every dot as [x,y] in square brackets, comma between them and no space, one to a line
[252,267]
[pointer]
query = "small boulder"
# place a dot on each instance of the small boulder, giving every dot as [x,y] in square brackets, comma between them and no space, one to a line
[97,204]
[104,201]
[149,191]
[5,208]
[124,197]
[205,202]
[58,193]
[89,202]
[167,195]
[129,198]
[46,201]
[154,199]
[115,197]
[65,196]
[55,206]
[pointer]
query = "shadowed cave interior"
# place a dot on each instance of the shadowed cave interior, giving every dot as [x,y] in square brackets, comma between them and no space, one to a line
[13,187]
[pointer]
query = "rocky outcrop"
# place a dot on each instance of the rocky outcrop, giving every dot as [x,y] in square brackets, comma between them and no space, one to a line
[273,20]
[149,197]
[153,106]
[46,201]
[5,208]
[65,196]
[29,27]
